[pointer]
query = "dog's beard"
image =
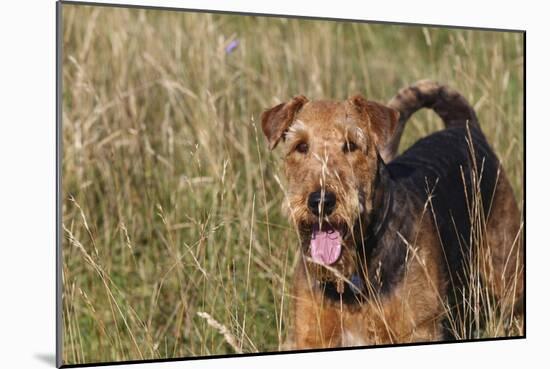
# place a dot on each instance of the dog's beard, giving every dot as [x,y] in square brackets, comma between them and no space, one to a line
[329,243]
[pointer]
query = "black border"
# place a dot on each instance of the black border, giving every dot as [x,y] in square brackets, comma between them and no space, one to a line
[524,185]
[58,193]
[59,152]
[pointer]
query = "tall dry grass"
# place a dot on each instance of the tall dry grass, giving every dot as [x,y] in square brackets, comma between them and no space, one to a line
[174,244]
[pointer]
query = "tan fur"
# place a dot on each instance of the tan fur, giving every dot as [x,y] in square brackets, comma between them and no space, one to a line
[503,251]
[326,126]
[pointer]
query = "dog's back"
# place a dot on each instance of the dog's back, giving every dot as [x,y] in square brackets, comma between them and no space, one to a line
[456,172]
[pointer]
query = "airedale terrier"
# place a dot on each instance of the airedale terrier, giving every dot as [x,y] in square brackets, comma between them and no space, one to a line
[385,239]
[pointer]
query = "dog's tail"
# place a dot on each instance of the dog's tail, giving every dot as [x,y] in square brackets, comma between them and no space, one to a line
[451,107]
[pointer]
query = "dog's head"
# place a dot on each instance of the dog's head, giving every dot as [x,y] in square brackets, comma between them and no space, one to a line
[331,161]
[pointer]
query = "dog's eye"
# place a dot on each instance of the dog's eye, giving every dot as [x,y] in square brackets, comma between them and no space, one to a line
[349,146]
[302,148]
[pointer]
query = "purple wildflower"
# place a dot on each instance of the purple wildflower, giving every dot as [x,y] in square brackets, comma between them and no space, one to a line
[232,46]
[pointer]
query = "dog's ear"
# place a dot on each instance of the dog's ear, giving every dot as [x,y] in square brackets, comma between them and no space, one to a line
[275,121]
[381,120]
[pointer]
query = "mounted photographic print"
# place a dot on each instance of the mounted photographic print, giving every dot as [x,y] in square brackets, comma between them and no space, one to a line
[236,184]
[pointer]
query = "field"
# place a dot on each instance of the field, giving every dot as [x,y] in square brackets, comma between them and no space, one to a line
[173,243]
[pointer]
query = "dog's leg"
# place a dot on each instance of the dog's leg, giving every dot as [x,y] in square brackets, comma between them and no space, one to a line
[316,321]
[503,251]
[414,312]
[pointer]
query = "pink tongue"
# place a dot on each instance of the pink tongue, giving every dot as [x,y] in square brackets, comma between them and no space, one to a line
[325,246]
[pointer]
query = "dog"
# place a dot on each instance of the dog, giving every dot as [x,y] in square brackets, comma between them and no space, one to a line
[386,239]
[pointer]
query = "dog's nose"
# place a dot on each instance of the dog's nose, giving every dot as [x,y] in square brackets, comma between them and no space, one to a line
[316,202]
